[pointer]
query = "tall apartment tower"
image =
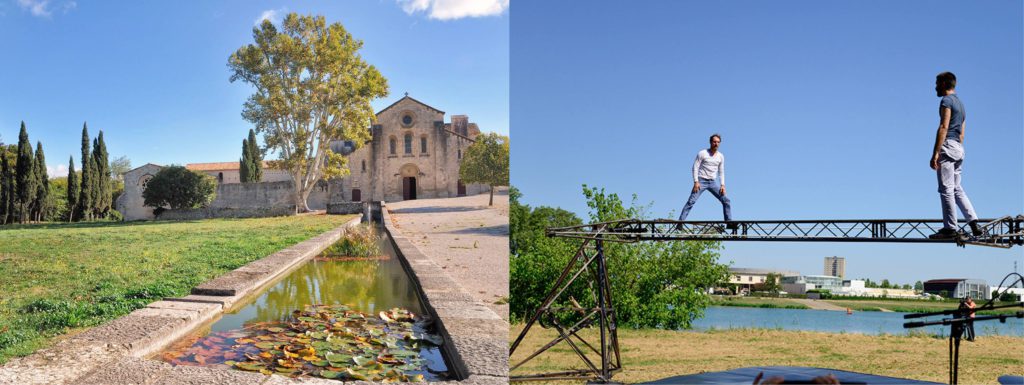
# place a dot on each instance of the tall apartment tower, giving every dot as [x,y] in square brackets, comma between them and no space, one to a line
[835,266]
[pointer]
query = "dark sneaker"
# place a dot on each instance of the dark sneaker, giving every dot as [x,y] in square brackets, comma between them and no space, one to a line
[975,230]
[945,233]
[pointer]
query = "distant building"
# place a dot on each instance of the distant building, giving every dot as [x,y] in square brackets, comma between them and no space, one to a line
[958,288]
[228,172]
[746,278]
[835,266]
[855,287]
[800,284]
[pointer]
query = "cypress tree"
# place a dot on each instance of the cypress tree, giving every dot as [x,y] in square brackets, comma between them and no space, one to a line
[26,176]
[244,163]
[256,169]
[102,177]
[43,187]
[6,174]
[85,200]
[72,189]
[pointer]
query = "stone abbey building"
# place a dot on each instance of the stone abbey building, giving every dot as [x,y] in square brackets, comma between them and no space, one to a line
[412,154]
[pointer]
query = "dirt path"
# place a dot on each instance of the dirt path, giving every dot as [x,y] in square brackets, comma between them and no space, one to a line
[817,305]
[466,238]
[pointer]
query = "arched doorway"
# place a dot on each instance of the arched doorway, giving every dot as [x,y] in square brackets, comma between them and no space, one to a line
[409,173]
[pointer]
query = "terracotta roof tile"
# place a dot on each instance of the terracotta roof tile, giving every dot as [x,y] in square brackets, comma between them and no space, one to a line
[219,166]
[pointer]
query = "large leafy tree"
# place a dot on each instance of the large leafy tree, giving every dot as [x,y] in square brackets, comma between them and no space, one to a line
[26,176]
[655,284]
[179,188]
[311,87]
[486,162]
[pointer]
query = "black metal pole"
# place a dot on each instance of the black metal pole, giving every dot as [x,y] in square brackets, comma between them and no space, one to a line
[601,287]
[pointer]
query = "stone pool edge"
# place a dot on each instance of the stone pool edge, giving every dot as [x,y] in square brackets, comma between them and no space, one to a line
[476,338]
[115,351]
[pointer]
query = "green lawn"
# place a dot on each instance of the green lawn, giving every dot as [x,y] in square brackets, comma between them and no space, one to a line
[781,303]
[59,277]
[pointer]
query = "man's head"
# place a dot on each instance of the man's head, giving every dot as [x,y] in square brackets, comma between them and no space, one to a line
[944,82]
[715,140]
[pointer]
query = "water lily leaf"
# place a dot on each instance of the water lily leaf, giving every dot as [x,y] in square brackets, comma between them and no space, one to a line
[275,329]
[320,363]
[356,375]
[266,345]
[285,370]
[337,357]
[433,339]
[362,361]
[250,366]
[416,378]
[330,374]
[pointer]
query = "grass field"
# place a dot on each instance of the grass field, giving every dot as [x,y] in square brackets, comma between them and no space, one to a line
[649,355]
[56,278]
[781,303]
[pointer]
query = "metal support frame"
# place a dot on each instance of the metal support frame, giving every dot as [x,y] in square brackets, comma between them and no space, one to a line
[589,264]
[602,361]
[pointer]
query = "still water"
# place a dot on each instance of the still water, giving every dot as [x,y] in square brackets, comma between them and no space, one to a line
[368,286]
[860,322]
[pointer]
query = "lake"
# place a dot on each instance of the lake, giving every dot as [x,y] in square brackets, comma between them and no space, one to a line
[860,322]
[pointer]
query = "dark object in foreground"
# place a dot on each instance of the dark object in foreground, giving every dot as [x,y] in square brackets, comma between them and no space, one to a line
[791,374]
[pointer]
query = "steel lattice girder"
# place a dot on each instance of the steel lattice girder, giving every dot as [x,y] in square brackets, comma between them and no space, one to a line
[1002,232]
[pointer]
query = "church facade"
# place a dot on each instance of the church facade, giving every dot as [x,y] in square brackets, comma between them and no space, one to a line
[412,154]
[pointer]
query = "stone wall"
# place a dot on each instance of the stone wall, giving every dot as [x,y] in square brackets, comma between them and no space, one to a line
[233,200]
[345,207]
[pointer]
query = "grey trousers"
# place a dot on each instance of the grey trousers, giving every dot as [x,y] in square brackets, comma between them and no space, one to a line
[951,159]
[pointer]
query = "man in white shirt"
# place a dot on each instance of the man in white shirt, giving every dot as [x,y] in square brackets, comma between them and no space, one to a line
[709,165]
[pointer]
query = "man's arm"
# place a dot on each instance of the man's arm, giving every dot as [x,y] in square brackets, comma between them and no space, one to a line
[963,127]
[696,166]
[721,173]
[940,136]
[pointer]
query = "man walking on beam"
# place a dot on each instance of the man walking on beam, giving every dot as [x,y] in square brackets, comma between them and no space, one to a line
[709,165]
[948,158]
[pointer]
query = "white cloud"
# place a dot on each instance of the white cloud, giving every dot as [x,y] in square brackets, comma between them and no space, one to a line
[454,9]
[36,7]
[274,15]
[59,171]
[42,8]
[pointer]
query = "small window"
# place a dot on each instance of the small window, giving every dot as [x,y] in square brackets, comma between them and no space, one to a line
[392,145]
[408,143]
[460,153]
[364,165]
[423,144]
[220,177]
[357,195]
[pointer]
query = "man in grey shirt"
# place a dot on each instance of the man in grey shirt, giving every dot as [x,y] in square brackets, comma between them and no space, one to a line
[709,165]
[948,158]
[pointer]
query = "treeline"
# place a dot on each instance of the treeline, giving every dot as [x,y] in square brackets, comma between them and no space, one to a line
[24,185]
[27,194]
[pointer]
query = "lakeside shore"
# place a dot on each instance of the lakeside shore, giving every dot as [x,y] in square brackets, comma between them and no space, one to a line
[881,304]
[651,354]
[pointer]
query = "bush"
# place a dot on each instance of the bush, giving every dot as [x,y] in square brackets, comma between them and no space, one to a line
[179,188]
[359,241]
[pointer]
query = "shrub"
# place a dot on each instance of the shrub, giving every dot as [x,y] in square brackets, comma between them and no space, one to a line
[179,188]
[359,241]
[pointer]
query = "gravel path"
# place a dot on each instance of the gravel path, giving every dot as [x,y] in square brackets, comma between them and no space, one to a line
[466,238]
[818,305]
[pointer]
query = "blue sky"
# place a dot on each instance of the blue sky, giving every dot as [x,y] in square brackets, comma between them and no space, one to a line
[153,75]
[826,111]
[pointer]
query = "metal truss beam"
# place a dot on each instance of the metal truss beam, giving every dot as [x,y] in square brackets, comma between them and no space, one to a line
[1002,232]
